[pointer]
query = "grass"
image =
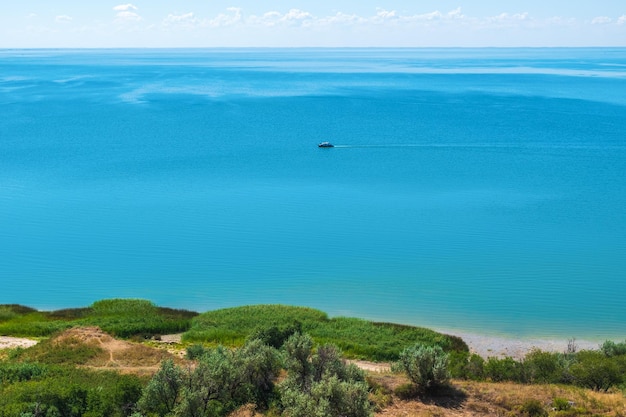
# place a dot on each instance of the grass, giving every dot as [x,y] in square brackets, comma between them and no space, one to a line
[62,351]
[357,338]
[119,317]
[128,318]
[471,398]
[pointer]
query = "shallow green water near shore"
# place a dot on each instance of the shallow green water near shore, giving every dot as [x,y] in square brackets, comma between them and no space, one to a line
[475,189]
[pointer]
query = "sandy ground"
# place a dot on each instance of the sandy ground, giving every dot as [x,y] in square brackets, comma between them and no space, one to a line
[13,342]
[500,347]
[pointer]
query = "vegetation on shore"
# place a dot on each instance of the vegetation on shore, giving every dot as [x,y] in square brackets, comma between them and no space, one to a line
[358,339]
[120,317]
[279,360]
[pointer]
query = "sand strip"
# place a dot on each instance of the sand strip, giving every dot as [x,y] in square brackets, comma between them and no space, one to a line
[13,342]
[500,347]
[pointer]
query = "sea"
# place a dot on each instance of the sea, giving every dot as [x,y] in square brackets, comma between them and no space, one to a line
[481,190]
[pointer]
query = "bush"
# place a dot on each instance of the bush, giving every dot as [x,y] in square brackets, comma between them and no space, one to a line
[561,404]
[21,372]
[195,351]
[610,348]
[222,381]
[596,371]
[426,366]
[276,336]
[507,369]
[533,408]
[465,366]
[547,367]
[66,391]
[320,383]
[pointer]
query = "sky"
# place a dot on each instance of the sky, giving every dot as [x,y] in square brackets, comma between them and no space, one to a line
[310,23]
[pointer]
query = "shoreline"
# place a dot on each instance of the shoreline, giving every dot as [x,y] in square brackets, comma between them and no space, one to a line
[483,345]
[488,346]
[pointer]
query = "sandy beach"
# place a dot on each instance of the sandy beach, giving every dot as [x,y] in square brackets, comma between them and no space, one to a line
[500,347]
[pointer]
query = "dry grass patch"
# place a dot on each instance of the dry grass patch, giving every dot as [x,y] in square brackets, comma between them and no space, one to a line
[473,399]
[509,398]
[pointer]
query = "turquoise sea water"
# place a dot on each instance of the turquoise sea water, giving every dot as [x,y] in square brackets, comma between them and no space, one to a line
[476,189]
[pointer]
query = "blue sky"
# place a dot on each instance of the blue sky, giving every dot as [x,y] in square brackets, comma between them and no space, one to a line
[292,23]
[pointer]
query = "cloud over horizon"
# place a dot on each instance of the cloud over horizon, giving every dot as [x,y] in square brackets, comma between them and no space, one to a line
[236,26]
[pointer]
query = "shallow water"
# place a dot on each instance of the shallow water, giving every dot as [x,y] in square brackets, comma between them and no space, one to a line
[476,189]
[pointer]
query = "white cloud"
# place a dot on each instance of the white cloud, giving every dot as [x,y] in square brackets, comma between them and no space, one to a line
[507,17]
[129,16]
[293,17]
[125,7]
[63,18]
[226,19]
[186,19]
[601,20]
[341,19]
[293,27]
[436,15]
[386,14]
[126,13]
[456,13]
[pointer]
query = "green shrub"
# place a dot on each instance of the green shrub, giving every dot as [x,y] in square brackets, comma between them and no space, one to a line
[610,348]
[465,366]
[561,404]
[548,367]
[67,391]
[20,372]
[533,408]
[223,380]
[426,366]
[195,351]
[596,371]
[276,336]
[163,392]
[320,383]
[506,369]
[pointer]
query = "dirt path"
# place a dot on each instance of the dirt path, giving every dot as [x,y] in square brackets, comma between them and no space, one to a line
[372,366]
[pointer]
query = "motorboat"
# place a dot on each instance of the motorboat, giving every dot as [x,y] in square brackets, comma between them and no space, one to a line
[325,145]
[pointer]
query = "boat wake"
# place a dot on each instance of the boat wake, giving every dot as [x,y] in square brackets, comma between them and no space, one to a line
[489,146]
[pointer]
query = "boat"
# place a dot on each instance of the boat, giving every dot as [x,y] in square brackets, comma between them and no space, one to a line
[325,145]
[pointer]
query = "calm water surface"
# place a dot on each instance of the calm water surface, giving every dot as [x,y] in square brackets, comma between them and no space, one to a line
[476,189]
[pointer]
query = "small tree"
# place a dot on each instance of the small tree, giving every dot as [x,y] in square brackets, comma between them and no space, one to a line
[426,366]
[596,371]
[321,383]
[162,393]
